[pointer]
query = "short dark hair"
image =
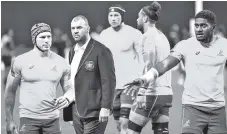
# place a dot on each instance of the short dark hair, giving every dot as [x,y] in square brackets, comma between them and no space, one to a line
[81,17]
[208,15]
[152,11]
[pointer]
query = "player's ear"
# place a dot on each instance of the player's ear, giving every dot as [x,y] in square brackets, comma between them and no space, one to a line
[214,26]
[145,19]
[88,29]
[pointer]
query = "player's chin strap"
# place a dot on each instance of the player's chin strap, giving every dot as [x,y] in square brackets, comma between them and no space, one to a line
[150,76]
[38,48]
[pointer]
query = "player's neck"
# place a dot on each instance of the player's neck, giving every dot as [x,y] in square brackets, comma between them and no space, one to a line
[42,53]
[148,26]
[84,41]
[209,41]
[117,28]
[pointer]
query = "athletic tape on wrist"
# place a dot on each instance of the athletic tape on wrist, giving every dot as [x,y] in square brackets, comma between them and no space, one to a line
[151,74]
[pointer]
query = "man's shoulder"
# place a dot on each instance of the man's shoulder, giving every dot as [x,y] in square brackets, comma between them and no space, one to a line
[59,59]
[56,56]
[107,30]
[223,39]
[100,46]
[23,57]
[188,42]
[132,29]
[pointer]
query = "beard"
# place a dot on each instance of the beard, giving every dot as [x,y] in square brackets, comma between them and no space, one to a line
[206,38]
[82,39]
[140,27]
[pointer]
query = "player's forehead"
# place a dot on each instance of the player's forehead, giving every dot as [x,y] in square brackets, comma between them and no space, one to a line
[201,21]
[43,34]
[78,23]
[140,12]
[114,13]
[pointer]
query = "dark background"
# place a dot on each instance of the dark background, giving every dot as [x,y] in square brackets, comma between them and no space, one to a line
[21,16]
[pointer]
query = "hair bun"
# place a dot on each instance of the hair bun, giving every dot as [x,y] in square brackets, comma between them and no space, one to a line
[155,6]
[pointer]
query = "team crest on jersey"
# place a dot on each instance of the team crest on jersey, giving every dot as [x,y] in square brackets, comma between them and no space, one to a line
[89,65]
[30,66]
[197,53]
[54,68]
[220,53]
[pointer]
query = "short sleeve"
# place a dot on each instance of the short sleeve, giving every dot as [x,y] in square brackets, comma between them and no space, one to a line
[16,68]
[67,72]
[137,37]
[179,50]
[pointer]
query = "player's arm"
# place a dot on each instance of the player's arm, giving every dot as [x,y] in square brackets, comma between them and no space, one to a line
[160,68]
[108,82]
[66,84]
[69,93]
[137,45]
[13,81]
[108,78]
[10,95]
[176,55]
[150,56]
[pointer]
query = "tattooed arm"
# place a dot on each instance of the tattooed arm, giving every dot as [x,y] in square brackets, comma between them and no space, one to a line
[69,92]
[13,81]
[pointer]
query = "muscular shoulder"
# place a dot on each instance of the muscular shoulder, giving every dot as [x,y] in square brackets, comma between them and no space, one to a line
[221,44]
[184,47]
[56,56]
[101,47]
[186,44]
[18,63]
[223,41]
[23,58]
[106,31]
[60,60]
[132,29]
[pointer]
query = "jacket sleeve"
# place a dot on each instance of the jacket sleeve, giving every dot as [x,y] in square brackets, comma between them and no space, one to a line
[70,56]
[108,78]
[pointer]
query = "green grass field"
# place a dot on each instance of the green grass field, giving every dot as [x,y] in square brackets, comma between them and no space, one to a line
[175,113]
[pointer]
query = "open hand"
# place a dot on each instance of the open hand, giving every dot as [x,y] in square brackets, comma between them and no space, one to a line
[62,102]
[11,128]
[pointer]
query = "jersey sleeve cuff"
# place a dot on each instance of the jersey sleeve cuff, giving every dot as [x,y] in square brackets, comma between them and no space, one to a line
[176,55]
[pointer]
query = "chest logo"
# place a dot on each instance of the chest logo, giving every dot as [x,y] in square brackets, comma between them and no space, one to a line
[197,53]
[89,65]
[220,53]
[31,66]
[54,68]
